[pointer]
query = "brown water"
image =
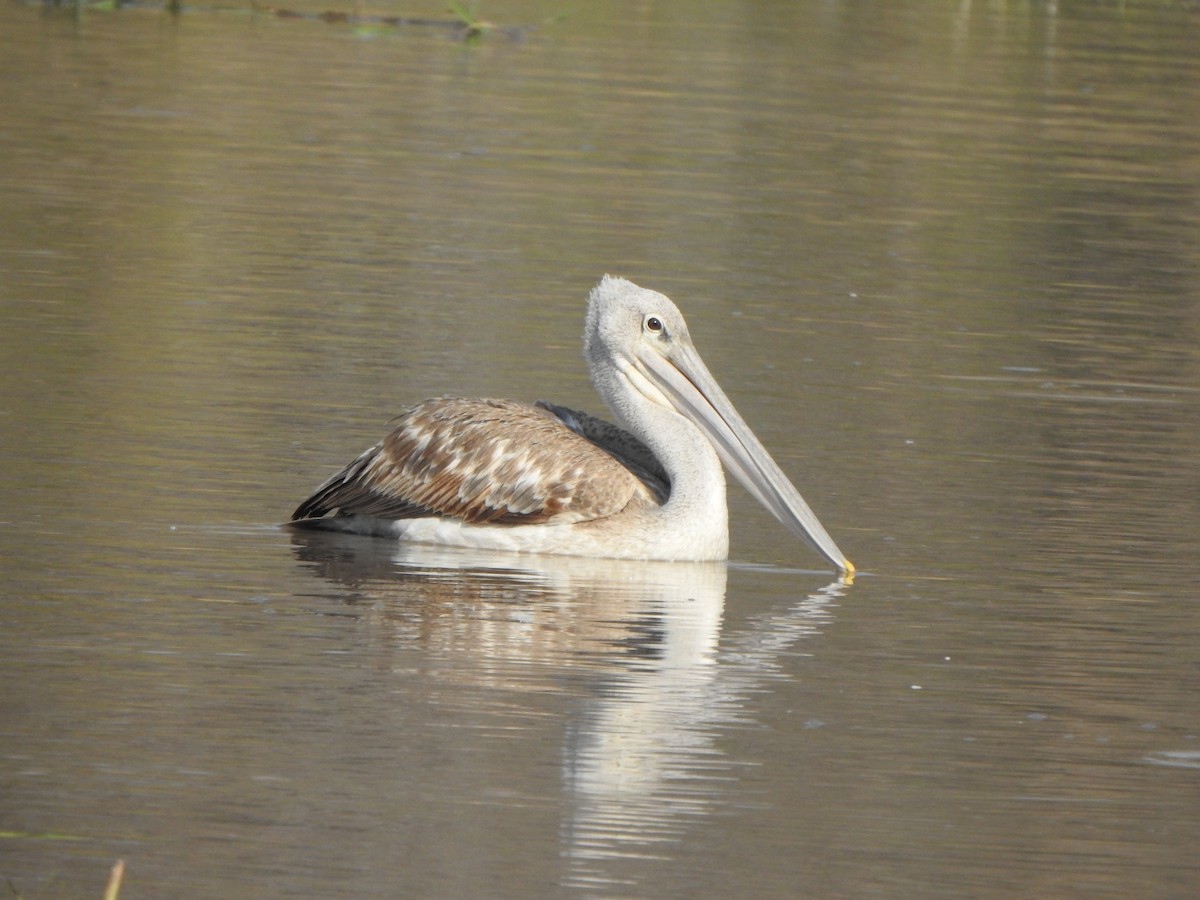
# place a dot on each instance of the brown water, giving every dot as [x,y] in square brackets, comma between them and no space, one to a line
[945,258]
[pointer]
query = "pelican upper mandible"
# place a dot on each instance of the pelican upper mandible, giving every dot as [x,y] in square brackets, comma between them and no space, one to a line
[503,475]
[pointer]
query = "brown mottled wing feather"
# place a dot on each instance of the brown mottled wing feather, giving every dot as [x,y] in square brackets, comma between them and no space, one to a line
[482,461]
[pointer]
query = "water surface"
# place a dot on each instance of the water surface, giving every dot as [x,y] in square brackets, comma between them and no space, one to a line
[943,258]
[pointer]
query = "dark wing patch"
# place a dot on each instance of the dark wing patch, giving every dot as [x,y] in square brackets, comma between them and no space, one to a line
[632,453]
[481,461]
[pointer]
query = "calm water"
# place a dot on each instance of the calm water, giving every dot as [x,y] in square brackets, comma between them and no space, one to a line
[945,258]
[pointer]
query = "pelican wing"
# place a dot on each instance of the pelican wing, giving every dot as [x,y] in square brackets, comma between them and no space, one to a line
[484,462]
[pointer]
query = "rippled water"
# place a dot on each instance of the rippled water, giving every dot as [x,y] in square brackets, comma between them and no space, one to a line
[944,259]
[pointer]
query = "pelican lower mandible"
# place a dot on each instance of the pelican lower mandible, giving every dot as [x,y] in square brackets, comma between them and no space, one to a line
[503,475]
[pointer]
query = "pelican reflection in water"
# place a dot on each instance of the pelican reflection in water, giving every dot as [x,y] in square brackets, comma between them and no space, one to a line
[503,475]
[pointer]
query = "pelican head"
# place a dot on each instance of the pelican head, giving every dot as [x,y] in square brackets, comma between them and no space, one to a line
[642,362]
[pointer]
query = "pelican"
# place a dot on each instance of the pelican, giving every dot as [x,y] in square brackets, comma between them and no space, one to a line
[503,475]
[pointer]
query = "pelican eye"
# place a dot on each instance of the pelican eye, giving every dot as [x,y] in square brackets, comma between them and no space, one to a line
[654,325]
